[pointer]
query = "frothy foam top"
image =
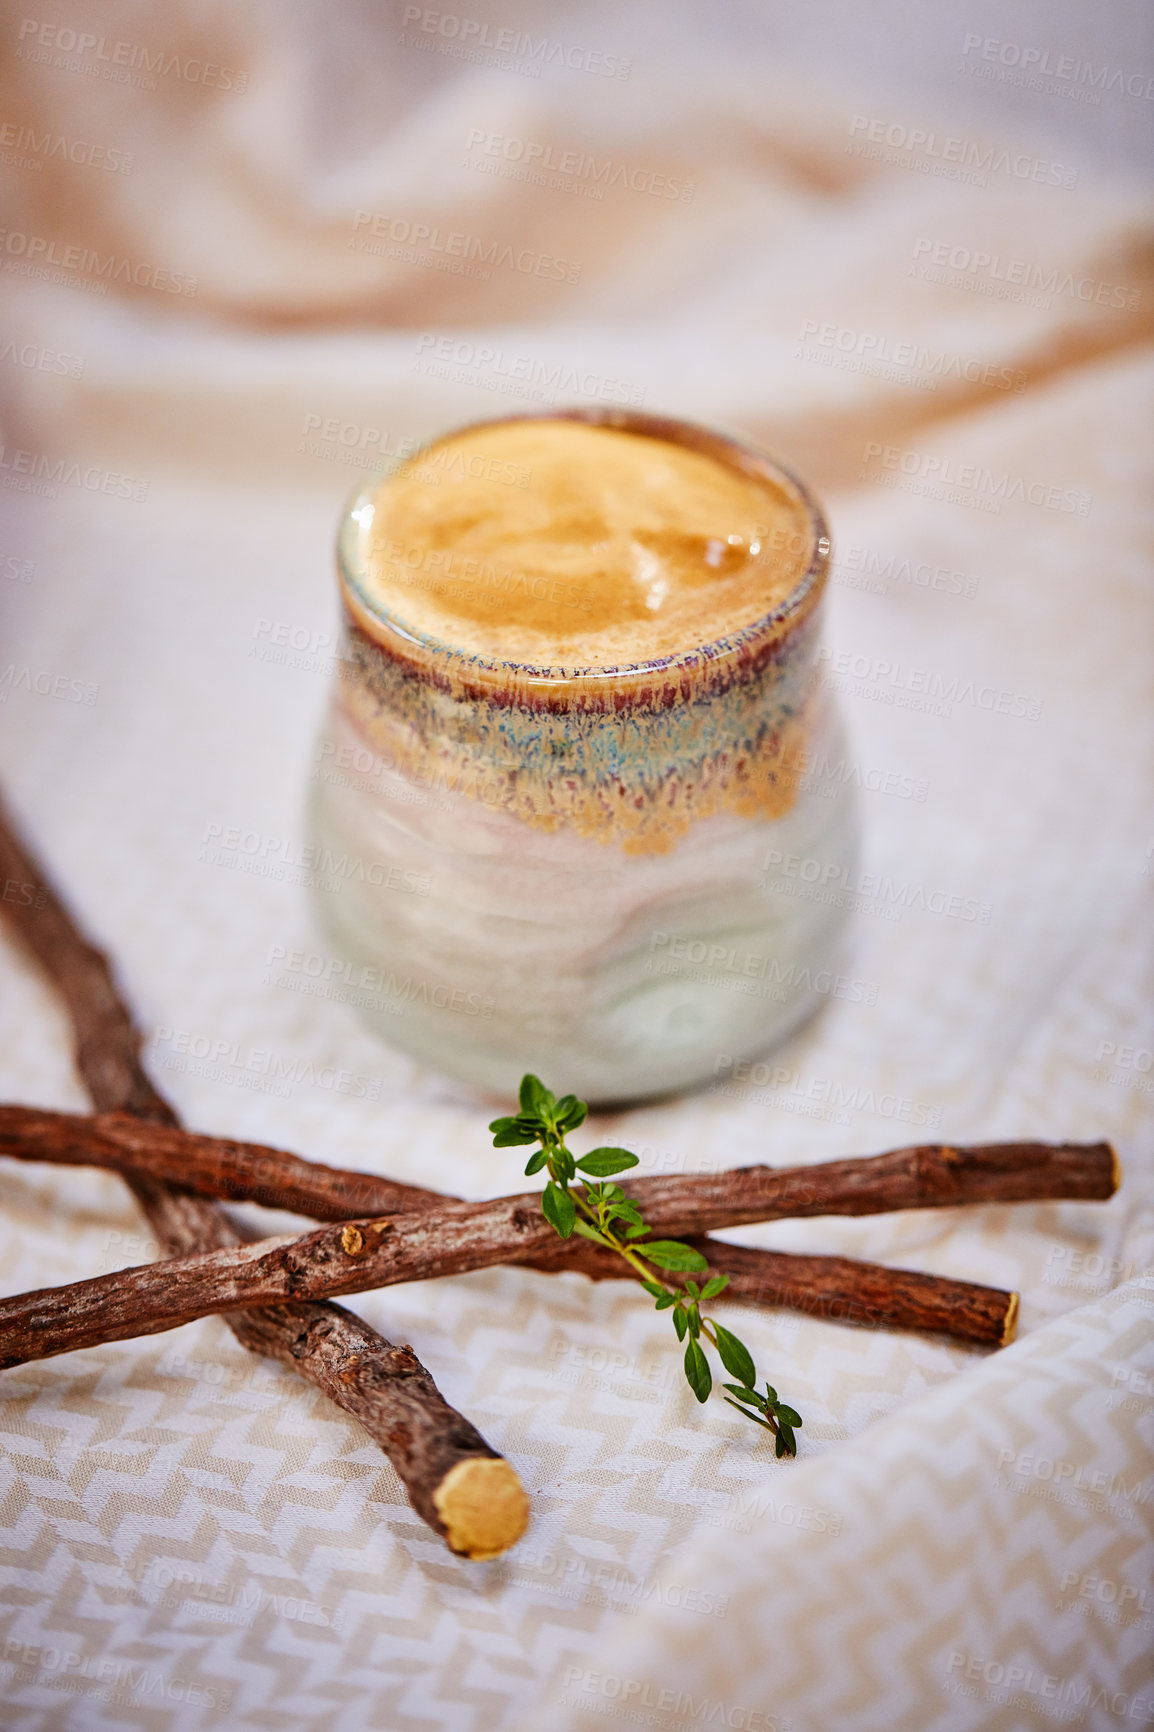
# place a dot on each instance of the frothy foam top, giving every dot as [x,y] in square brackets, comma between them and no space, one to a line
[558,543]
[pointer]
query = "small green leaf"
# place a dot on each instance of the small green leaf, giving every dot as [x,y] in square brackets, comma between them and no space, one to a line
[786,1442]
[788,1415]
[665,1301]
[588,1232]
[697,1371]
[680,1323]
[671,1254]
[714,1285]
[559,1209]
[743,1394]
[534,1097]
[601,1162]
[693,1289]
[513,1132]
[657,1291]
[735,1356]
[694,1318]
[536,1162]
[569,1113]
[635,1231]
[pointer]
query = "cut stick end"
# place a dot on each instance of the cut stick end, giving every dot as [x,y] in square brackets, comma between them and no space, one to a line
[484,1507]
[1010,1321]
[1115,1169]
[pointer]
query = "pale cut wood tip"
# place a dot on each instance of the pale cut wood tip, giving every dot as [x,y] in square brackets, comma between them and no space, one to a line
[484,1507]
[1010,1321]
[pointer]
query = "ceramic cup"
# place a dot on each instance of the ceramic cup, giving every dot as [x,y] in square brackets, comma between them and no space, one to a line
[579,871]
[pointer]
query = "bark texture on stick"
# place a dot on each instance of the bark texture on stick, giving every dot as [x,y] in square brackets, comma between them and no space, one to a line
[455,1480]
[458,1237]
[931,1175]
[218,1167]
[844,1290]
[837,1288]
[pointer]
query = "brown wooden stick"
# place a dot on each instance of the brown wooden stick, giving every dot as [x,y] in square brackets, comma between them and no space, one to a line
[217,1167]
[844,1290]
[933,1175]
[457,1237]
[836,1287]
[459,1485]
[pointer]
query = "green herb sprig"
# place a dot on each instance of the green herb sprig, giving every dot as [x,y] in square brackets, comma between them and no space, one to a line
[603,1212]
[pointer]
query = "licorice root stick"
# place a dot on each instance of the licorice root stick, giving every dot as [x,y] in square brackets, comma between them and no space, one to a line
[837,1288]
[456,1482]
[930,1175]
[457,1237]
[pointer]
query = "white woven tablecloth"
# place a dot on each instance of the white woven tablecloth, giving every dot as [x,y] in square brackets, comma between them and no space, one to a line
[192,1538]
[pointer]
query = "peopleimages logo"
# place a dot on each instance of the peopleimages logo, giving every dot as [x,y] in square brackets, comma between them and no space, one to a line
[292,862]
[39,472]
[859,567]
[45,685]
[1025,1687]
[317,976]
[121,62]
[1040,63]
[751,1509]
[231,1060]
[914,147]
[1028,1472]
[635,1694]
[454,248]
[38,252]
[567,170]
[466,38]
[23,147]
[109,1680]
[855,672]
[1006,275]
[845,342]
[940,477]
[40,360]
[365,446]
[817,1096]
[15,569]
[1103,1591]
[1085,1271]
[23,894]
[826,775]
[518,375]
[727,959]
[870,892]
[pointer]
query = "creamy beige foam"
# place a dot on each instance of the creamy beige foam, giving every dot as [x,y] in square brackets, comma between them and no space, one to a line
[559,543]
